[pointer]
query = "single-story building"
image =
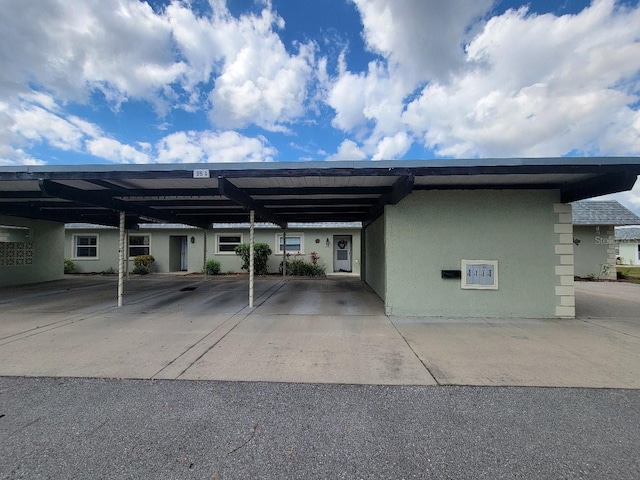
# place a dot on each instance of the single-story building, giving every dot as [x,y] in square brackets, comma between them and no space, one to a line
[628,240]
[450,237]
[178,247]
[594,237]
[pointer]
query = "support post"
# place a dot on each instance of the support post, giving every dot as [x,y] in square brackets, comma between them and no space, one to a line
[121,246]
[284,254]
[252,217]
[204,254]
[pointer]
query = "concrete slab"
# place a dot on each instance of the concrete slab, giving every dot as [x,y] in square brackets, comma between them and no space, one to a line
[313,348]
[312,330]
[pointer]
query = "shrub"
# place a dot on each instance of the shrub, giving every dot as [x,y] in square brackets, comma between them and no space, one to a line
[69,267]
[212,267]
[260,257]
[299,268]
[142,264]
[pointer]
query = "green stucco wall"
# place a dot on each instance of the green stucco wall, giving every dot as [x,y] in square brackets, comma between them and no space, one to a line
[430,231]
[375,257]
[592,248]
[47,263]
[161,244]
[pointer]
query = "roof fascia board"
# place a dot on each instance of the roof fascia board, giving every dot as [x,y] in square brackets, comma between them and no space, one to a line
[596,186]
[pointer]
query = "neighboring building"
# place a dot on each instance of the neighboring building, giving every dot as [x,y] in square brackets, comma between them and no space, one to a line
[593,236]
[175,247]
[628,240]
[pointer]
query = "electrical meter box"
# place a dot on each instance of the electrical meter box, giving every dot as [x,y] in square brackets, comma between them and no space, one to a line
[479,274]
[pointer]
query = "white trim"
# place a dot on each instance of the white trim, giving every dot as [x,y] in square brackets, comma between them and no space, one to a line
[490,265]
[278,250]
[74,246]
[229,234]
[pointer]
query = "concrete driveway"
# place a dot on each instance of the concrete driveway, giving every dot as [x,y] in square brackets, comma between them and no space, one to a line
[313,331]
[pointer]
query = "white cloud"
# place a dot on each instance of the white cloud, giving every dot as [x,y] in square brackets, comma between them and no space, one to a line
[213,147]
[71,48]
[348,150]
[421,38]
[392,147]
[540,85]
[113,150]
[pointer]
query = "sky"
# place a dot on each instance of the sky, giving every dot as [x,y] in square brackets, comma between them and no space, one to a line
[160,81]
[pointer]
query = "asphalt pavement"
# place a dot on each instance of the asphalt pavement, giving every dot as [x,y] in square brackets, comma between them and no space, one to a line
[64,428]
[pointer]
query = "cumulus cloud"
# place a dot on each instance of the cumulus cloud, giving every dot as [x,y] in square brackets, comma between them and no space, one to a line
[523,84]
[348,150]
[212,147]
[539,85]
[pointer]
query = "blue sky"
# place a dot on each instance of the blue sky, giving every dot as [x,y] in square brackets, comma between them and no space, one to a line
[125,81]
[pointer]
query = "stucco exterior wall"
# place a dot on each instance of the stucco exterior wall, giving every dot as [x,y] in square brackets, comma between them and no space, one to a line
[593,247]
[47,246]
[430,231]
[375,256]
[628,252]
[160,247]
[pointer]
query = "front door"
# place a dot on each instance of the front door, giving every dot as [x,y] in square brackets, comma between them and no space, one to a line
[342,253]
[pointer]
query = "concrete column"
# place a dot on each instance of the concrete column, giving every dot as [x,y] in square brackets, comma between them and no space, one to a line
[252,217]
[121,246]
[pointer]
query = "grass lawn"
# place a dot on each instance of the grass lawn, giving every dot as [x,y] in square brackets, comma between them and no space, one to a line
[631,274]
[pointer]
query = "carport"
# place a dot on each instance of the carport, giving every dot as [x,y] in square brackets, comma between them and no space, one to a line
[280,193]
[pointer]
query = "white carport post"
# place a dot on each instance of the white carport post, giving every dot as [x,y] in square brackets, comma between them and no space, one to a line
[284,253]
[204,254]
[252,217]
[121,260]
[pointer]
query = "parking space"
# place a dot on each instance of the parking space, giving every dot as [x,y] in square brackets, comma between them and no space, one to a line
[331,330]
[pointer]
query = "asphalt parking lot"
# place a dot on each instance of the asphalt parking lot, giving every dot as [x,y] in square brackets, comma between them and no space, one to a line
[185,381]
[315,331]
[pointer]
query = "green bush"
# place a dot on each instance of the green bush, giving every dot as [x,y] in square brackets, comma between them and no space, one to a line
[300,268]
[212,267]
[69,267]
[260,257]
[142,264]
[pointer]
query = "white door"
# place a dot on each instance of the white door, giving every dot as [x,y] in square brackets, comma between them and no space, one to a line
[342,253]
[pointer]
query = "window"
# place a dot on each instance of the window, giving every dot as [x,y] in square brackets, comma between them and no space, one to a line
[227,242]
[295,243]
[85,246]
[138,245]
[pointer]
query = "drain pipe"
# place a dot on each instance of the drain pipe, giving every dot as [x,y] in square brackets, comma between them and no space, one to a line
[252,217]
[121,260]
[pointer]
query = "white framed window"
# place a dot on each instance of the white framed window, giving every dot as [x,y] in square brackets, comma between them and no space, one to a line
[139,245]
[479,274]
[85,246]
[295,243]
[227,242]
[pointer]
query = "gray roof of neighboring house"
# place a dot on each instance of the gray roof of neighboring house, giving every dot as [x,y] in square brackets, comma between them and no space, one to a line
[628,233]
[603,212]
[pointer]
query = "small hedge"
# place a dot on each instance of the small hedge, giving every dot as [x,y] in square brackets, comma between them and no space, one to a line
[299,268]
[142,264]
[260,257]
[212,267]
[69,266]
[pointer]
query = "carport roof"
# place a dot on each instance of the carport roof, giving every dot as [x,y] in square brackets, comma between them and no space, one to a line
[202,194]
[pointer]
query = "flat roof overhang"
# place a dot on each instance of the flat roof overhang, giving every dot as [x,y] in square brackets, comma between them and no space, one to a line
[279,193]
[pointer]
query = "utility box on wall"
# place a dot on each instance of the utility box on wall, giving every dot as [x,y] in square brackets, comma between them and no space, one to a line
[479,274]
